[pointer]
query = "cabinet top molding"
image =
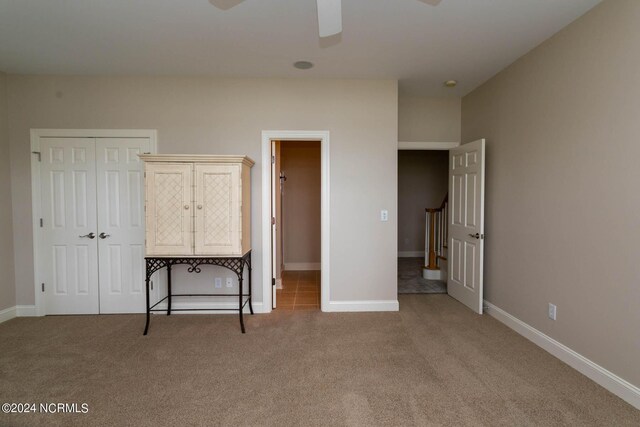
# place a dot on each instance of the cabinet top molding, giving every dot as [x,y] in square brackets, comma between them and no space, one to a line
[197,158]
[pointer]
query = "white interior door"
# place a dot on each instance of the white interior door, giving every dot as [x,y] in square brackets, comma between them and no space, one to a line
[69,249]
[466,224]
[120,191]
[274,235]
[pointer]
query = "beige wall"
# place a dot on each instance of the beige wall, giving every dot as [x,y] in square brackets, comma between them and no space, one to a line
[422,183]
[7,283]
[209,115]
[563,185]
[428,119]
[301,201]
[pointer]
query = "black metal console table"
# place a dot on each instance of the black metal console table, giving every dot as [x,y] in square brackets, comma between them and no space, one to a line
[235,264]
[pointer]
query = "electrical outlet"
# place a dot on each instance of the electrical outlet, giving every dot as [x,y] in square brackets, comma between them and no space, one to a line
[229,282]
[218,282]
[552,311]
[384,215]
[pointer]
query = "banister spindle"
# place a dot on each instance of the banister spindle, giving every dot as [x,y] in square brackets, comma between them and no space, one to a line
[432,265]
[436,234]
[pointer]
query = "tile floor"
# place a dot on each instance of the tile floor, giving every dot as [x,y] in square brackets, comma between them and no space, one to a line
[300,291]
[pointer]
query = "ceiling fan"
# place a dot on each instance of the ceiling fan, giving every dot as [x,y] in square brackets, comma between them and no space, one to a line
[329,13]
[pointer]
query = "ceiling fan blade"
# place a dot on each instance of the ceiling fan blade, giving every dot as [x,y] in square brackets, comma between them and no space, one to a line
[431,2]
[225,4]
[329,17]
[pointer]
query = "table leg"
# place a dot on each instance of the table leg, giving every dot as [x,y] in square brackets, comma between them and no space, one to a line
[250,306]
[146,326]
[240,277]
[169,289]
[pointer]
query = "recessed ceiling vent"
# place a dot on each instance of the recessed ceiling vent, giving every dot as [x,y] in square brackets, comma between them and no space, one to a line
[303,65]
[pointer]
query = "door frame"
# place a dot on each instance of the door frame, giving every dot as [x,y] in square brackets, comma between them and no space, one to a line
[295,135]
[413,145]
[36,198]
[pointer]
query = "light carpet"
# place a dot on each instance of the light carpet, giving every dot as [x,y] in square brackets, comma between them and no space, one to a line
[433,363]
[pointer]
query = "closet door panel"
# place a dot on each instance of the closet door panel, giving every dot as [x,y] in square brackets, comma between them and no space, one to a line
[169,209]
[218,216]
[121,230]
[69,250]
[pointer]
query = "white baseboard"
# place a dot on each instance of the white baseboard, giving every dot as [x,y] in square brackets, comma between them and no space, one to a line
[431,274]
[300,266]
[220,307]
[411,254]
[17,311]
[26,311]
[616,385]
[352,306]
[7,314]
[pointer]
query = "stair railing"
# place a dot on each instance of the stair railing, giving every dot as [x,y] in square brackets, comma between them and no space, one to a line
[436,234]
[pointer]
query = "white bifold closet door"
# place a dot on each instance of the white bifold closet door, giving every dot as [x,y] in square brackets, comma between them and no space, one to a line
[69,252]
[92,259]
[120,198]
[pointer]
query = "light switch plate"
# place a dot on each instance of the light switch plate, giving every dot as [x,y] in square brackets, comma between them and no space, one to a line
[384,215]
[218,282]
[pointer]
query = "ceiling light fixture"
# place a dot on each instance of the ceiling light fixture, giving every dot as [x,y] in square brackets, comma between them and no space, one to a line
[303,65]
[329,13]
[450,83]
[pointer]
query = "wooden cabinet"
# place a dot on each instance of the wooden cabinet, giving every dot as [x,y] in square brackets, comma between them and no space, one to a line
[197,205]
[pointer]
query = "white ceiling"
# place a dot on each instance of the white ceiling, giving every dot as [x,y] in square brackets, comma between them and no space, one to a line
[418,44]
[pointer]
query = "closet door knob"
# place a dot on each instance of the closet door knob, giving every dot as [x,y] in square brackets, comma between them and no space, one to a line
[103,235]
[186,207]
[89,236]
[199,206]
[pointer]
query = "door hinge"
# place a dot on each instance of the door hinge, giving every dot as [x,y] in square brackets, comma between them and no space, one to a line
[41,223]
[38,154]
[43,287]
[273,282]
[273,220]
[273,160]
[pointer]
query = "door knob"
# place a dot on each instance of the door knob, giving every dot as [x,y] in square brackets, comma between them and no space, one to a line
[104,236]
[88,236]
[199,206]
[186,207]
[475,236]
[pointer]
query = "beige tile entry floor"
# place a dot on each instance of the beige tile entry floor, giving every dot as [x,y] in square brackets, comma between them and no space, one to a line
[300,291]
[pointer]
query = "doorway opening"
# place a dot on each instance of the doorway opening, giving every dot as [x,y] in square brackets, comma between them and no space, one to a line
[271,262]
[422,221]
[296,238]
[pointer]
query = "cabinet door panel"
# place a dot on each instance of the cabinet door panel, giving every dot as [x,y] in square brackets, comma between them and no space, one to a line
[217,225]
[169,209]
